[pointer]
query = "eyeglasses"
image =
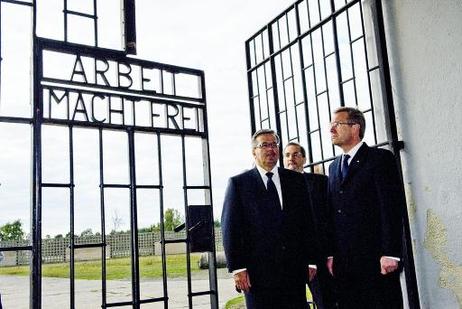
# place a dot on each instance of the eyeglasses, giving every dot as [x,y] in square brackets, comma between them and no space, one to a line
[335,124]
[296,155]
[265,145]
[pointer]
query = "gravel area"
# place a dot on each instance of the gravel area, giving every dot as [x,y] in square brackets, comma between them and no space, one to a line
[15,292]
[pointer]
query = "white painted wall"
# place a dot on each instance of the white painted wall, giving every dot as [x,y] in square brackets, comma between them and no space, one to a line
[424,39]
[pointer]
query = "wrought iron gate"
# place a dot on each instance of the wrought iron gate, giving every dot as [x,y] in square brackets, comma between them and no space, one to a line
[113,138]
[315,56]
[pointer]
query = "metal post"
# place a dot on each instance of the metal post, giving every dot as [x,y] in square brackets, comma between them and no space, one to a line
[408,257]
[249,86]
[134,223]
[274,84]
[130,27]
[36,263]
[305,94]
[208,201]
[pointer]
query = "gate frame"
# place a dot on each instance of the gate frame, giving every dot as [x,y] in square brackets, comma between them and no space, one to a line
[37,120]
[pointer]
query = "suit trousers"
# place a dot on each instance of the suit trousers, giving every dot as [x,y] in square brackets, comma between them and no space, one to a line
[283,298]
[323,289]
[381,292]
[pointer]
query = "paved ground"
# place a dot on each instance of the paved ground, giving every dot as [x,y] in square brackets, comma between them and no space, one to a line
[15,292]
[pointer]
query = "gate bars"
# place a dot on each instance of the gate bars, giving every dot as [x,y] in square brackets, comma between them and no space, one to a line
[176,122]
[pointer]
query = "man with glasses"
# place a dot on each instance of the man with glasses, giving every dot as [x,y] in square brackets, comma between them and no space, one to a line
[267,235]
[366,202]
[321,286]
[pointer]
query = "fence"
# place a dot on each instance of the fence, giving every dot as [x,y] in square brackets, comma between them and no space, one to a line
[56,250]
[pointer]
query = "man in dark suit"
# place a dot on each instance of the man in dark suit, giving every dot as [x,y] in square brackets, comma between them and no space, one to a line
[366,201]
[321,286]
[267,237]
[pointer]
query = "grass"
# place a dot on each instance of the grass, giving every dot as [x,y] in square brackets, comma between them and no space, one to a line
[116,269]
[235,303]
[239,301]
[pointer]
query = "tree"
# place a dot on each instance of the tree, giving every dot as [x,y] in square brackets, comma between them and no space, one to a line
[172,218]
[12,231]
[86,233]
[68,235]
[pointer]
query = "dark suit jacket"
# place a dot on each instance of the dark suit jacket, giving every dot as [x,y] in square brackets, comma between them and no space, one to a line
[323,291]
[365,213]
[274,246]
[317,187]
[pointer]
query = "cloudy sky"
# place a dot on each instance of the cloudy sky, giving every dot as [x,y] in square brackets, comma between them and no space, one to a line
[204,34]
[210,35]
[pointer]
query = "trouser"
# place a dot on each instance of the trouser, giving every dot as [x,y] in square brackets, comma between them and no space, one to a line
[283,298]
[379,292]
[316,292]
[324,291]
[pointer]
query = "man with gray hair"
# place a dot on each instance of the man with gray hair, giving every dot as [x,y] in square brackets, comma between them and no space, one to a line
[267,235]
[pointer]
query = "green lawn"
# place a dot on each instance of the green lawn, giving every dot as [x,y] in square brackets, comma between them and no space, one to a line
[150,268]
[235,303]
[239,301]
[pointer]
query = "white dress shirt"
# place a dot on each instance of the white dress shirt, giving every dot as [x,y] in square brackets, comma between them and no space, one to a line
[275,178]
[352,152]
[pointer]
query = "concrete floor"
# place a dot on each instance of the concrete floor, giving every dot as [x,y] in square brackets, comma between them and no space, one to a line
[15,292]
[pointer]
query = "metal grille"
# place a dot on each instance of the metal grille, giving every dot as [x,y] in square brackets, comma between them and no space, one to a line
[94,109]
[323,53]
[314,57]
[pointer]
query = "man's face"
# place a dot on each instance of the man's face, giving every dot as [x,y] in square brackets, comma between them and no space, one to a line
[293,159]
[341,131]
[266,154]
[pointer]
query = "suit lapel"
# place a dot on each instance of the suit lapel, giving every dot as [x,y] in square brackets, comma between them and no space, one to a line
[357,161]
[336,178]
[260,187]
[284,187]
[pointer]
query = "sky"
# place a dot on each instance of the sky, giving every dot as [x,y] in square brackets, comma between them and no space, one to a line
[208,35]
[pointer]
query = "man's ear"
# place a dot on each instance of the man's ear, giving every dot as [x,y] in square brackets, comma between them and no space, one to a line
[357,128]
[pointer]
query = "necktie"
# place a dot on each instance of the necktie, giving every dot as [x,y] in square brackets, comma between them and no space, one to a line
[272,191]
[345,166]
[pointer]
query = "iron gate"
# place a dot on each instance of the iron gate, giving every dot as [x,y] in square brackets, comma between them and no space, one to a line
[113,138]
[314,57]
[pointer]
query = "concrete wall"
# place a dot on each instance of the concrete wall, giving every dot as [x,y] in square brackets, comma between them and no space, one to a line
[424,40]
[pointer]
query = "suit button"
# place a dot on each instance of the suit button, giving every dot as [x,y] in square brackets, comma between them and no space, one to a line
[341,191]
[283,248]
[339,211]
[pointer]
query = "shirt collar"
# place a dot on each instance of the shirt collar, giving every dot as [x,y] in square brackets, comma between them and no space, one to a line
[354,150]
[263,172]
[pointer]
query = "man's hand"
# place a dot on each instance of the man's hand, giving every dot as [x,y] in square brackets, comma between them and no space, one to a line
[242,281]
[311,273]
[330,264]
[387,265]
